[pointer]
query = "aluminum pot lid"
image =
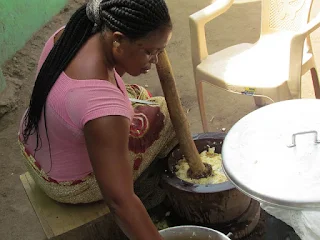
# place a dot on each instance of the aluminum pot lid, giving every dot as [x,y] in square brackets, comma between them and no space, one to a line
[273,154]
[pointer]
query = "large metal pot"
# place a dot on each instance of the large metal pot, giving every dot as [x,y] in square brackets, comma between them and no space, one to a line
[209,205]
[192,232]
[277,151]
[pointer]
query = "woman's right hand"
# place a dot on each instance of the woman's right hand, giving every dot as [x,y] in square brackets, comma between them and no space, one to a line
[107,144]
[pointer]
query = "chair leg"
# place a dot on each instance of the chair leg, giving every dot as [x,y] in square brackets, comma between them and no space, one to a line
[315,80]
[204,121]
[260,101]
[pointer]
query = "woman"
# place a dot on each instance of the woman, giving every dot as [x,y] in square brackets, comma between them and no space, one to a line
[79,124]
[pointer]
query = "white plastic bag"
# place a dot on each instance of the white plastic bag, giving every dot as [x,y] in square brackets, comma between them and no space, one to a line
[305,223]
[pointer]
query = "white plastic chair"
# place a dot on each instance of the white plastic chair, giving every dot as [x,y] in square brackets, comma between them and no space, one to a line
[272,67]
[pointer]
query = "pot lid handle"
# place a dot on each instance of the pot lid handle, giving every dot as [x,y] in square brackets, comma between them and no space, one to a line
[230,235]
[293,144]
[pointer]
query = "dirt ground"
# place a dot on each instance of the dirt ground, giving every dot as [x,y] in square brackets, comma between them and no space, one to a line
[240,24]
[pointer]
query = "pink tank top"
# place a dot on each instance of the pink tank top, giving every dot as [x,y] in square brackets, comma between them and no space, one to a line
[70,105]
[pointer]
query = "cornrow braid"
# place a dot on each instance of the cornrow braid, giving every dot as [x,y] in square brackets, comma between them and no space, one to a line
[133,18]
[76,33]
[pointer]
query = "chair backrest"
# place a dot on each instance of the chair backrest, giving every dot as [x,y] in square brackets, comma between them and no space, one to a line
[280,15]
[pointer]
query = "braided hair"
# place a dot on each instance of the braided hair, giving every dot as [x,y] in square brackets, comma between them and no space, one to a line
[133,18]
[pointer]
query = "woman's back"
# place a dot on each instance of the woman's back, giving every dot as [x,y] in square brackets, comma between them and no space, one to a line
[70,104]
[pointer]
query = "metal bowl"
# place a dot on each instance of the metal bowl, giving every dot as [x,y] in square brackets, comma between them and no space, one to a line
[202,141]
[192,232]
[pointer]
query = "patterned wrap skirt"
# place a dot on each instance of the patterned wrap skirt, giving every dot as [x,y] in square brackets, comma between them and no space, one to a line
[151,138]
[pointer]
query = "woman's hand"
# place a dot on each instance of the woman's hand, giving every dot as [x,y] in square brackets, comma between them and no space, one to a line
[107,145]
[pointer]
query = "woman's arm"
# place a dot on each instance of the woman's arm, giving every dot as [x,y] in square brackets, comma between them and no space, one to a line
[107,144]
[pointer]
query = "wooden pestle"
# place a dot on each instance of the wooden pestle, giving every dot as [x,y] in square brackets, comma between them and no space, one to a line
[179,120]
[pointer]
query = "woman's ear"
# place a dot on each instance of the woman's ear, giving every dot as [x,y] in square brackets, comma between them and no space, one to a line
[118,38]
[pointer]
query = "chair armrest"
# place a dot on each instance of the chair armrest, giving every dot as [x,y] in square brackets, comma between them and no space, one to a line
[296,55]
[197,22]
[311,26]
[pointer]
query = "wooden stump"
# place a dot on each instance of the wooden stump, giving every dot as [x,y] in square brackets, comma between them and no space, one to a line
[67,222]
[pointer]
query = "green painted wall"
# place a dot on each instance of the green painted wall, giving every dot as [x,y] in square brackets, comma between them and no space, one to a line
[19,19]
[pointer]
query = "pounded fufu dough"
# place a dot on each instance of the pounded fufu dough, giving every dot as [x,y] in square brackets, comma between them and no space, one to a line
[208,156]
